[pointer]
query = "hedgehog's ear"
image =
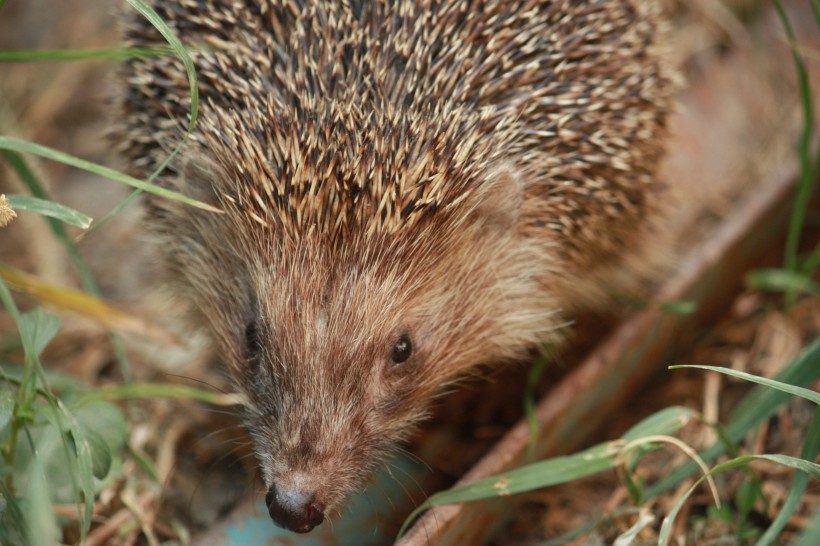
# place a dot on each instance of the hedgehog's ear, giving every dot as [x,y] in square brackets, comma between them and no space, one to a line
[201,178]
[499,201]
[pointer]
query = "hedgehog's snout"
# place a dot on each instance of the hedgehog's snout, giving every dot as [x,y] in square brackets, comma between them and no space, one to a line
[293,509]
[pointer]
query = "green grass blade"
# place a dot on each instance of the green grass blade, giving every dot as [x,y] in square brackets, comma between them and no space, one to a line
[143,462]
[6,406]
[178,48]
[558,469]
[811,535]
[534,476]
[114,54]
[783,280]
[533,376]
[569,536]
[23,146]
[666,526]
[812,261]
[50,209]
[760,404]
[667,421]
[806,184]
[116,210]
[785,387]
[527,478]
[800,480]
[813,469]
[679,307]
[8,303]
[793,462]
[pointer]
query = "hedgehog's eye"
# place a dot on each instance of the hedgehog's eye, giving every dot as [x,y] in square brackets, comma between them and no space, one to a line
[253,346]
[402,349]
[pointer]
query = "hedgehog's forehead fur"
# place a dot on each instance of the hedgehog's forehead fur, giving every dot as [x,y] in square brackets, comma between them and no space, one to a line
[331,167]
[414,84]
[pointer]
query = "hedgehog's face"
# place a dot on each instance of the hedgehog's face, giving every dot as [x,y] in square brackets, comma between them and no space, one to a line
[341,347]
[338,365]
[341,355]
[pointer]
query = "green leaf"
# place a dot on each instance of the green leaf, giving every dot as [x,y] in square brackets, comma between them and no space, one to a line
[73,448]
[6,406]
[37,328]
[24,146]
[41,524]
[723,514]
[84,463]
[53,449]
[747,495]
[104,418]
[50,209]
[569,536]
[635,488]
[808,394]
[8,303]
[12,520]
[100,453]
[106,430]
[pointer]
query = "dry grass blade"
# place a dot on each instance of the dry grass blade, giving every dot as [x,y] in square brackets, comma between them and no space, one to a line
[68,299]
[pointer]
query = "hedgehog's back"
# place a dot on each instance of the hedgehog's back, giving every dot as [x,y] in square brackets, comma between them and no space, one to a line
[572,94]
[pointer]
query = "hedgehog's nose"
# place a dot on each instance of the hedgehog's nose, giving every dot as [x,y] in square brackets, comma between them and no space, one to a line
[294,510]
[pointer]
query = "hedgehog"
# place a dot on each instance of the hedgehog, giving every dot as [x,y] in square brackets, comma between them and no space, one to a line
[411,190]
